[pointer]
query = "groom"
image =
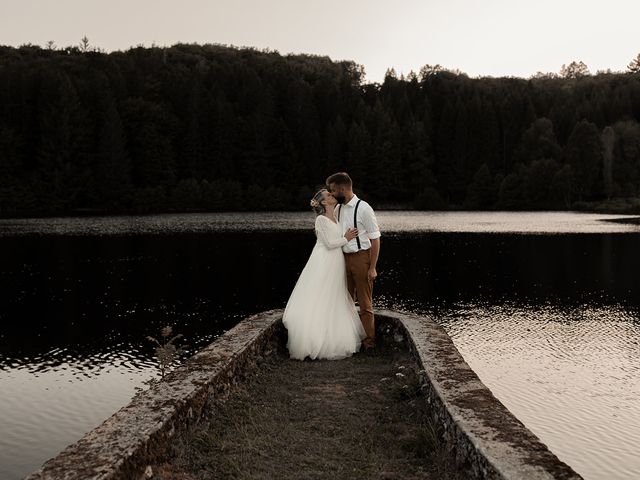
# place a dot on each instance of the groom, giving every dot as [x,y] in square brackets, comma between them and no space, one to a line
[361,253]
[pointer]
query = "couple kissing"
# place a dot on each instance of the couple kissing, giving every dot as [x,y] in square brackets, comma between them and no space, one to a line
[321,316]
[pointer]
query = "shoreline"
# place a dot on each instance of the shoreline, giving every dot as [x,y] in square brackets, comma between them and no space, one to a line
[382,208]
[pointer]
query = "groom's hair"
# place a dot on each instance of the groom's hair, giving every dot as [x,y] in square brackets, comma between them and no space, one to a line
[340,178]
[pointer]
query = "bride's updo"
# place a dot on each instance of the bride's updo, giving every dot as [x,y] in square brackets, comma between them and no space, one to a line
[316,202]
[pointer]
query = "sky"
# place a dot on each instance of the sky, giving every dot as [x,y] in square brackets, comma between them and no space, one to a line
[479,37]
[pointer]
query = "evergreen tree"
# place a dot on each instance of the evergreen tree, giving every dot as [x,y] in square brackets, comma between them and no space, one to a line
[634,65]
[13,194]
[194,153]
[584,153]
[335,143]
[444,146]
[113,186]
[563,186]
[62,172]
[418,163]
[574,70]
[482,192]
[626,168]
[537,184]
[359,152]
[510,195]
[608,145]
[538,142]
[146,128]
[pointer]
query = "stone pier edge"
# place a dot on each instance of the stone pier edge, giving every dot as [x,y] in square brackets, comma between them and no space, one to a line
[487,441]
[137,434]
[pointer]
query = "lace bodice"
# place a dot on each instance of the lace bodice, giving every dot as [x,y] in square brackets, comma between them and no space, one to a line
[329,233]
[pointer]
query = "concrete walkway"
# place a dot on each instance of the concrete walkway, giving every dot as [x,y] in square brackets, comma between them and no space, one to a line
[358,418]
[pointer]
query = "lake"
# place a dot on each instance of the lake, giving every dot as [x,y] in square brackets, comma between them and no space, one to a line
[544,306]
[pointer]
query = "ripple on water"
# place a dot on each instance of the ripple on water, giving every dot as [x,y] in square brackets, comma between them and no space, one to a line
[126,357]
[78,399]
[571,376]
[80,392]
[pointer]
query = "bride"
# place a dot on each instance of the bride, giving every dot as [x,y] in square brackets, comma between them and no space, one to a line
[320,316]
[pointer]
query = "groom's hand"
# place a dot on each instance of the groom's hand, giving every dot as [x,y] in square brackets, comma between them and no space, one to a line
[372,274]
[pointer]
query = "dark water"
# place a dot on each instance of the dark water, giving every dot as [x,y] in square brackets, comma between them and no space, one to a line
[549,322]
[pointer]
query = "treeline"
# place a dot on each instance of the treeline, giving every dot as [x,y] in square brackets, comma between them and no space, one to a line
[212,127]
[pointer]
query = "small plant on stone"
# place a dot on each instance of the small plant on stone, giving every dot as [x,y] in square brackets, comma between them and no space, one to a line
[167,352]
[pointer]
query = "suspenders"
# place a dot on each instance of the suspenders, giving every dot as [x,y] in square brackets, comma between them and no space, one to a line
[355,220]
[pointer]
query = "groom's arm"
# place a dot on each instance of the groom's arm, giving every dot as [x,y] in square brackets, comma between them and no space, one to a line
[373,231]
[375,252]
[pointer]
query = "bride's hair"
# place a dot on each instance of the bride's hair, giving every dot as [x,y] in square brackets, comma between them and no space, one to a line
[316,202]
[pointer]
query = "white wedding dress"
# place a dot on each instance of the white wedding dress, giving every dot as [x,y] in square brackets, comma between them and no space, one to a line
[320,316]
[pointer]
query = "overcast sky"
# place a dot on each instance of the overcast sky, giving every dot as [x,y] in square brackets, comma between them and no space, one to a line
[480,37]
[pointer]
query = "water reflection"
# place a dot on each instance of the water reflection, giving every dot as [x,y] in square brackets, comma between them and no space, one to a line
[550,322]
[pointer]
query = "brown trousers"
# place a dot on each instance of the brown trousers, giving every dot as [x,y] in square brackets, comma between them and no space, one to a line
[361,289]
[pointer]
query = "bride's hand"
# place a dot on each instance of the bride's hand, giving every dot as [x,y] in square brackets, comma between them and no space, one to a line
[351,234]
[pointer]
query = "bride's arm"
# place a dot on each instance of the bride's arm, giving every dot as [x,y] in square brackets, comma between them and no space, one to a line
[327,235]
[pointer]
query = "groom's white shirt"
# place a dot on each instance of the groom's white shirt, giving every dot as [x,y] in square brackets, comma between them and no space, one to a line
[367,224]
